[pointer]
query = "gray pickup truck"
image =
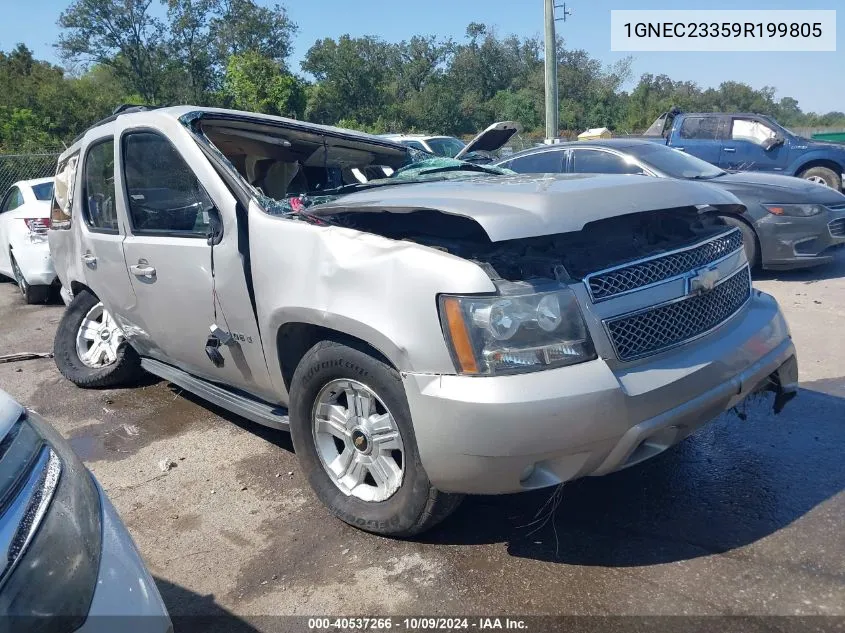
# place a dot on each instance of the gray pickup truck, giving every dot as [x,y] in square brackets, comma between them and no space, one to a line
[424,328]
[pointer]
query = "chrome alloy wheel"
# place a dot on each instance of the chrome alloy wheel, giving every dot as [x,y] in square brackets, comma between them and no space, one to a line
[358,441]
[98,338]
[818,180]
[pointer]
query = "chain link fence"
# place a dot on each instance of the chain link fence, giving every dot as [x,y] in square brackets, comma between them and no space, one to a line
[15,167]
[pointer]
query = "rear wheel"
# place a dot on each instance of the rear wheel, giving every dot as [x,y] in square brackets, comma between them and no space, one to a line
[31,294]
[749,240]
[90,349]
[823,176]
[352,431]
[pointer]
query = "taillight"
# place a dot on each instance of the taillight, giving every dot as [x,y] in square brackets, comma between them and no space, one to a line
[37,225]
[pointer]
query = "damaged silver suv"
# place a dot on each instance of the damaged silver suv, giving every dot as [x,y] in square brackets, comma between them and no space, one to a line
[424,327]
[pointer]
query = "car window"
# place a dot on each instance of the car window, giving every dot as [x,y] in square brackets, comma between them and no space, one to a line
[164,195]
[700,127]
[445,146]
[98,187]
[415,145]
[550,162]
[749,130]
[592,161]
[44,191]
[13,200]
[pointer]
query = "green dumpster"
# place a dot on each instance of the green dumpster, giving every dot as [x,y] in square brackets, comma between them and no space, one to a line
[836,137]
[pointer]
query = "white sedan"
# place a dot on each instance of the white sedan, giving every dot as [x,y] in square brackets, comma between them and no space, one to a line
[24,251]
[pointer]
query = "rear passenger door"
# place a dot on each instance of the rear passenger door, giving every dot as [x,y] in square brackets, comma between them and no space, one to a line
[548,161]
[99,231]
[183,284]
[11,201]
[701,136]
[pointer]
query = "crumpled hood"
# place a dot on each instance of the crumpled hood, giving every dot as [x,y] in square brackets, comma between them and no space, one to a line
[780,188]
[514,207]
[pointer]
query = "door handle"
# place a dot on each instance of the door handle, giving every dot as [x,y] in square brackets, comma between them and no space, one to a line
[88,259]
[730,150]
[143,269]
[680,149]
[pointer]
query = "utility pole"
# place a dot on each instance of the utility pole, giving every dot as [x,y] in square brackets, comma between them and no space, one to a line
[552,125]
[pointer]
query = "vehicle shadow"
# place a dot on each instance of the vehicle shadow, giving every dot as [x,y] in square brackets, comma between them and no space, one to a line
[731,484]
[191,612]
[280,438]
[833,270]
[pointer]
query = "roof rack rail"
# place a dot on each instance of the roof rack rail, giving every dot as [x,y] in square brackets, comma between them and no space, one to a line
[133,107]
[124,108]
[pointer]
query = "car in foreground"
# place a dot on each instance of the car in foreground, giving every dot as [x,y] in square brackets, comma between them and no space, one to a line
[452,328]
[68,560]
[24,251]
[787,222]
[479,149]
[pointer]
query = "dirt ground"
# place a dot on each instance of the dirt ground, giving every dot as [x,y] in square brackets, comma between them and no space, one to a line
[745,517]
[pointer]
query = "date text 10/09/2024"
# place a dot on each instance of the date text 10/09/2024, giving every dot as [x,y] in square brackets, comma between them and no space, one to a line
[416,624]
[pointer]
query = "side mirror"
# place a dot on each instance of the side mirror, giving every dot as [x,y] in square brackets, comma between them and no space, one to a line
[215,227]
[773,142]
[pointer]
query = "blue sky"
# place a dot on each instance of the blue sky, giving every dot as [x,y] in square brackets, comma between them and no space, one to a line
[815,79]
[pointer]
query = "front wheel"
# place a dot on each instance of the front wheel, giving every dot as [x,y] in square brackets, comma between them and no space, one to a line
[90,349]
[749,240]
[352,431]
[31,294]
[823,176]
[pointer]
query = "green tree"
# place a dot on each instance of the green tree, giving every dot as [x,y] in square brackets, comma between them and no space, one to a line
[239,26]
[258,84]
[121,34]
[353,74]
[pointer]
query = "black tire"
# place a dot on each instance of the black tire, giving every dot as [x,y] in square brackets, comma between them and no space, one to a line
[416,506]
[31,294]
[749,240]
[124,371]
[827,176]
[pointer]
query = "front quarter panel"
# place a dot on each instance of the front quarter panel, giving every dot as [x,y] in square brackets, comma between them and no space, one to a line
[379,290]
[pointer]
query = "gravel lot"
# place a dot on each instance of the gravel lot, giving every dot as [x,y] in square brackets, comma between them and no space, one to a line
[745,517]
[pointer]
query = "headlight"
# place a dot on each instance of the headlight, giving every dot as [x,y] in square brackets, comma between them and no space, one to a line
[515,333]
[794,210]
[56,572]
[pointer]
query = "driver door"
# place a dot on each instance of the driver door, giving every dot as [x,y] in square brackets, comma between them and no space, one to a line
[745,148]
[183,284]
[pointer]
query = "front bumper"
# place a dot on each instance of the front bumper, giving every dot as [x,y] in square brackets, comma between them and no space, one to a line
[126,598]
[35,262]
[791,242]
[491,435]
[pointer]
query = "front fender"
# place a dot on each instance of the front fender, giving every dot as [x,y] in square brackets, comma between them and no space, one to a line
[393,351]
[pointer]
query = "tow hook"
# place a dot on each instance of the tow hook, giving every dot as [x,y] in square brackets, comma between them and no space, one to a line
[785,385]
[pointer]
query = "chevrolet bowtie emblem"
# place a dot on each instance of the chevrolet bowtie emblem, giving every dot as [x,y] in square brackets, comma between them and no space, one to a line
[702,280]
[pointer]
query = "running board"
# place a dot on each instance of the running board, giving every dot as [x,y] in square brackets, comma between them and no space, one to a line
[245,406]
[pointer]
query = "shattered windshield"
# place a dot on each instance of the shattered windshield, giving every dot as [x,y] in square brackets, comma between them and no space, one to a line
[425,169]
[291,165]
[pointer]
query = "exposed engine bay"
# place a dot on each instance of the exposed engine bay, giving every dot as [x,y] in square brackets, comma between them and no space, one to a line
[564,256]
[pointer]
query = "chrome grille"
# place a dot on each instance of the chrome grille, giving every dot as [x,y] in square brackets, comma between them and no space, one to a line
[661,327]
[616,281]
[837,227]
[836,207]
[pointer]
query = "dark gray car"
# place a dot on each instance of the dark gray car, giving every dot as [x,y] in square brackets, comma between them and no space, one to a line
[788,222]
